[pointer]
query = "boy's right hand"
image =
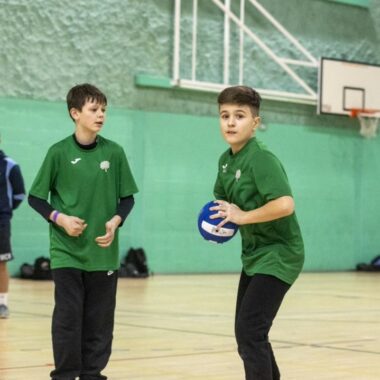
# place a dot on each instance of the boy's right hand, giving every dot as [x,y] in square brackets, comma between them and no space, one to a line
[73,225]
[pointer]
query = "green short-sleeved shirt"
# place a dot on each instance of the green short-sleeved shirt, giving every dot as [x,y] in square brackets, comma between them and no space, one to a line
[251,178]
[87,184]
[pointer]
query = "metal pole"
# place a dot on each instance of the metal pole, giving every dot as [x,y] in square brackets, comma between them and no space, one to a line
[176,53]
[297,63]
[194,42]
[267,94]
[241,43]
[226,71]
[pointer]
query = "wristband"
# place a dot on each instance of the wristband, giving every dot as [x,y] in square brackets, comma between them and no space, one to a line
[55,216]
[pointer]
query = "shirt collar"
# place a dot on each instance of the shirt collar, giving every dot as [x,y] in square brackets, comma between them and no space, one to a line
[245,147]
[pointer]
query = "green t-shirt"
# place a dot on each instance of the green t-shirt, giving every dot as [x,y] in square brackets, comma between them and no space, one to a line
[87,184]
[251,178]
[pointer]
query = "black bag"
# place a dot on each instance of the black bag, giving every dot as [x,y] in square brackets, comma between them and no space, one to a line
[135,264]
[39,271]
[26,271]
[374,266]
[42,269]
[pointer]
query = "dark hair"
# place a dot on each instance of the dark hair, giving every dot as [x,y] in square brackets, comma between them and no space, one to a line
[81,93]
[241,95]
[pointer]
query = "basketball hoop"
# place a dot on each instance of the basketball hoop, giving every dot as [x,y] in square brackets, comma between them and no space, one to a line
[368,119]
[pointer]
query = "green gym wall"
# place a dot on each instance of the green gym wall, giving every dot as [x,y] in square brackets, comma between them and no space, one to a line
[171,137]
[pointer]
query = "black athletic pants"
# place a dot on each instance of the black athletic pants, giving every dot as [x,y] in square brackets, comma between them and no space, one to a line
[259,298]
[82,326]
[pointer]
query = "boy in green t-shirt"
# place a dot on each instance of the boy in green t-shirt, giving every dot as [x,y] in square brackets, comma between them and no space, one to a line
[91,187]
[252,190]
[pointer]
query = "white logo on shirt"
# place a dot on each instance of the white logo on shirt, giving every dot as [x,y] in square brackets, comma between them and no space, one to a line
[224,168]
[105,165]
[75,161]
[109,272]
[238,174]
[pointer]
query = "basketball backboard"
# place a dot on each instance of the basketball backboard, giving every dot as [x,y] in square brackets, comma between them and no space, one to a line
[345,85]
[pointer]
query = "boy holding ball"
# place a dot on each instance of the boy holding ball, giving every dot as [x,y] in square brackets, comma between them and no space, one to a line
[252,190]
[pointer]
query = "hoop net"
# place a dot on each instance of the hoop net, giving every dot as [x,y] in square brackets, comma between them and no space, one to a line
[368,119]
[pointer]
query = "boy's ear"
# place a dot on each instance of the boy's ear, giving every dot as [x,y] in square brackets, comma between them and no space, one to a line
[256,123]
[74,113]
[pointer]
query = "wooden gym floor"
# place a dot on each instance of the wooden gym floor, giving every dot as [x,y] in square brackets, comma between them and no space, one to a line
[181,328]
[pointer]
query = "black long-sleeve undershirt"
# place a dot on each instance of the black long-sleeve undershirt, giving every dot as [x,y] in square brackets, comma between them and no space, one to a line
[45,209]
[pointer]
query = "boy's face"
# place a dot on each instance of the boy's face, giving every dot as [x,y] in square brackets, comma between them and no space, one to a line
[237,124]
[91,118]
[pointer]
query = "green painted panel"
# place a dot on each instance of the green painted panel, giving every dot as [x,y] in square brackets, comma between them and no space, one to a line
[152,81]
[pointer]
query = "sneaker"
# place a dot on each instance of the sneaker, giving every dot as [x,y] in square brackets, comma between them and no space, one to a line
[4,311]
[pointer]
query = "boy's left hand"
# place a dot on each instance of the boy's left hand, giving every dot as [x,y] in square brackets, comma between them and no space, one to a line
[111,226]
[228,211]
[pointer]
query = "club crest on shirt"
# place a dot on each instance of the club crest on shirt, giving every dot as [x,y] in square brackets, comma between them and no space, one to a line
[105,165]
[224,167]
[237,175]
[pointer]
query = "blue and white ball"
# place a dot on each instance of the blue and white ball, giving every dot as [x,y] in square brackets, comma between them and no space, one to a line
[207,226]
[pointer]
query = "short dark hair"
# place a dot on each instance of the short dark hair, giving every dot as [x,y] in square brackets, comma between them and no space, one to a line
[81,93]
[241,95]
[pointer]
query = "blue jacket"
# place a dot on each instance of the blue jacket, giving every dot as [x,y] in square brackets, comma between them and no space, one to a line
[12,190]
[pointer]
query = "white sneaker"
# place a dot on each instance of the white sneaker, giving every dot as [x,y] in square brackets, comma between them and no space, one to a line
[4,311]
